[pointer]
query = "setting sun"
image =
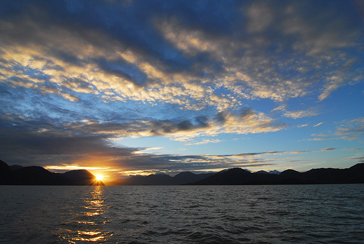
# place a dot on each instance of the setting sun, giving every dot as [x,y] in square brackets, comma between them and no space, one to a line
[99,177]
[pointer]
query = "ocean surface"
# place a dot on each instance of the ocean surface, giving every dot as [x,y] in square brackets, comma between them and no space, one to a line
[182,214]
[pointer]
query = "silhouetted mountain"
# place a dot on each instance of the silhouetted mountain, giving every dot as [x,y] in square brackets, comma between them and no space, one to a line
[80,177]
[162,179]
[188,177]
[156,179]
[274,172]
[290,173]
[291,176]
[5,172]
[237,176]
[35,175]
[15,167]
[4,168]
[354,174]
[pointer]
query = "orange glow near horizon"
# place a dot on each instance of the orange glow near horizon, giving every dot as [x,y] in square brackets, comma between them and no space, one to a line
[99,177]
[74,167]
[101,166]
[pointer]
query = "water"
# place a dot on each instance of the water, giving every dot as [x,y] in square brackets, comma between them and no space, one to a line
[182,214]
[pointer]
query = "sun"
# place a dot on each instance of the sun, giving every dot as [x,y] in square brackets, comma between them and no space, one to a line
[99,177]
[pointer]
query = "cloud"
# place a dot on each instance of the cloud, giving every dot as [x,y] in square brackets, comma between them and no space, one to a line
[318,124]
[297,160]
[260,17]
[247,155]
[57,149]
[64,168]
[298,152]
[353,149]
[120,74]
[308,30]
[236,73]
[331,86]
[347,130]
[322,139]
[205,141]
[245,122]
[352,129]
[361,159]
[327,149]
[27,140]
[166,59]
[50,144]
[148,149]
[281,107]
[299,114]
[295,114]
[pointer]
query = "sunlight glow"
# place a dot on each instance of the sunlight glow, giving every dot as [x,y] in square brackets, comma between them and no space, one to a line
[99,177]
[74,167]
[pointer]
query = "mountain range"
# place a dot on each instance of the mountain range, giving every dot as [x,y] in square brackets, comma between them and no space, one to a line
[35,175]
[238,176]
[163,179]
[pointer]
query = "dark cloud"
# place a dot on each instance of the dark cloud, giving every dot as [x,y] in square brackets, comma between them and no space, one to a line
[42,142]
[79,84]
[170,127]
[67,57]
[221,117]
[124,70]
[245,113]
[45,141]
[185,125]
[202,121]
[255,154]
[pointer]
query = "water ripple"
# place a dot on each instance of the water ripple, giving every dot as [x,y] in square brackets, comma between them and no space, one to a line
[182,214]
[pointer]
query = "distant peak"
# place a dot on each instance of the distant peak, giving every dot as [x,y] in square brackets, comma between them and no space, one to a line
[274,172]
[357,166]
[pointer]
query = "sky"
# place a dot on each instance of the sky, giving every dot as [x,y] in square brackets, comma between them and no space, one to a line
[139,87]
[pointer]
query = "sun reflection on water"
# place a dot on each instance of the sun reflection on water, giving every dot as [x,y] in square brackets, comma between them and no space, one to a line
[87,223]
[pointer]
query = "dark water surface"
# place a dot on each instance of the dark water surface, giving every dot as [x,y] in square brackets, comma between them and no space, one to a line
[182,214]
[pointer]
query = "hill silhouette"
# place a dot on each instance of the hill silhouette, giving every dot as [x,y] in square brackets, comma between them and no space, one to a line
[80,177]
[162,179]
[5,172]
[15,167]
[237,176]
[36,175]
